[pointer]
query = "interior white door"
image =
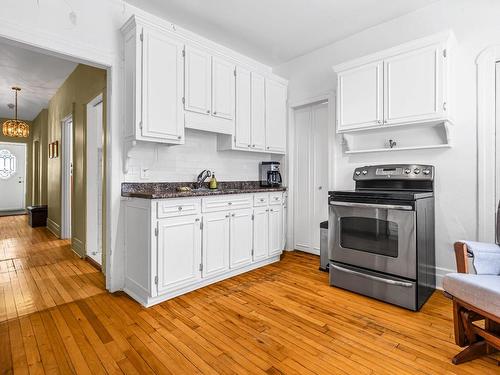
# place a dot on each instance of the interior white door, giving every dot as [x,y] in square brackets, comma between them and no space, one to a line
[215,243]
[94,180]
[222,88]
[260,233]
[179,252]
[320,170]
[311,175]
[12,176]
[198,81]
[241,226]
[276,95]
[258,115]
[67,177]
[303,173]
[360,97]
[413,86]
[275,229]
[162,86]
[243,109]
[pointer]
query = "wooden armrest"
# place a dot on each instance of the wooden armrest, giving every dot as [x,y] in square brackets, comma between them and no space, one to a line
[461,257]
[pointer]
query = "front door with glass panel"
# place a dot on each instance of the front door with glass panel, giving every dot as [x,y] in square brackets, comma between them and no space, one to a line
[12,176]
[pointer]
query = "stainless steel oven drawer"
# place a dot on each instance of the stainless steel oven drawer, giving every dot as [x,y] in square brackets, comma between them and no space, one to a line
[390,289]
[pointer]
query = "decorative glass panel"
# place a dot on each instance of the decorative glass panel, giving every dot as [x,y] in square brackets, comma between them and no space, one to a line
[7,164]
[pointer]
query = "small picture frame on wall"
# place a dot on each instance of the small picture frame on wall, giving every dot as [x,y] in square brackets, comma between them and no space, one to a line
[55,151]
[51,150]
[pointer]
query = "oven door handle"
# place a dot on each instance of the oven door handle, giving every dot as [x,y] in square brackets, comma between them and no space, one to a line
[373,205]
[371,277]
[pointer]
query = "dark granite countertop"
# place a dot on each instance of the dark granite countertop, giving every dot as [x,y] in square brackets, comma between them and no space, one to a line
[164,190]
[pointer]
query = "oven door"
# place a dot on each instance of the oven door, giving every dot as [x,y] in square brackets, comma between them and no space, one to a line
[378,237]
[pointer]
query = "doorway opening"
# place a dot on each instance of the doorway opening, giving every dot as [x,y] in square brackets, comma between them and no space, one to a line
[12,178]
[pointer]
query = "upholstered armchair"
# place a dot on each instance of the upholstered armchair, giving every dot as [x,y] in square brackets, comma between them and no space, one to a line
[476,297]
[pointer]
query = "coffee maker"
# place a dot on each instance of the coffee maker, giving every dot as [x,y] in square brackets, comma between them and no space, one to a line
[270,175]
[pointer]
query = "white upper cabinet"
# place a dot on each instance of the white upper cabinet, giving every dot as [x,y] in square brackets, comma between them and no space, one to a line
[258,110]
[404,85]
[413,86]
[276,96]
[154,76]
[243,123]
[222,88]
[198,81]
[360,96]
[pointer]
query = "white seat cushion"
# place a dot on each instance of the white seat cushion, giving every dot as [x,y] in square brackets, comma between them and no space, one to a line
[481,291]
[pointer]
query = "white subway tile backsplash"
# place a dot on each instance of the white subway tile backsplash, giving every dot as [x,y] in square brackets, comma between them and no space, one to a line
[184,162]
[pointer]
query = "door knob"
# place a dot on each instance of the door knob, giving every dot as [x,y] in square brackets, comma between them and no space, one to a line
[320,187]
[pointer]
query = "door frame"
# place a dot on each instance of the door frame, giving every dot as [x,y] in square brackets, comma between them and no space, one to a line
[53,44]
[66,174]
[25,171]
[328,96]
[487,149]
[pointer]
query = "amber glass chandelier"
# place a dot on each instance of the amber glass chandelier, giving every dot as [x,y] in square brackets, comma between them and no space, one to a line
[16,128]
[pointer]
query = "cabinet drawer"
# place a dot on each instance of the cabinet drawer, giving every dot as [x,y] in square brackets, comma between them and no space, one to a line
[260,199]
[178,207]
[226,202]
[276,198]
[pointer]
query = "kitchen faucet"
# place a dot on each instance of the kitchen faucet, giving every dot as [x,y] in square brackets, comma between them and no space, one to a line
[202,177]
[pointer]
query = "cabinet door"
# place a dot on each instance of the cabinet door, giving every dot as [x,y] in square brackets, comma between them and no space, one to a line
[243,108]
[179,252]
[260,233]
[276,94]
[275,230]
[413,86]
[198,81]
[222,88]
[258,112]
[215,243]
[162,78]
[241,238]
[359,97]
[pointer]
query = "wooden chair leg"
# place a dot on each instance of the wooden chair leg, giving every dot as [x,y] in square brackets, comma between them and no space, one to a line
[458,325]
[476,350]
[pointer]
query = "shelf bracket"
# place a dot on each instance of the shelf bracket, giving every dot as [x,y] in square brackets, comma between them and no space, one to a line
[128,146]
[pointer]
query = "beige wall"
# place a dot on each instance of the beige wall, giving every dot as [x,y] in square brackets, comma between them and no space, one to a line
[29,152]
[39,134]
[83,85]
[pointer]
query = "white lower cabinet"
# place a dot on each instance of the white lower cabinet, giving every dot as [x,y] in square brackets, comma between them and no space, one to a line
[240,238]
[215,243]
[177,245]
[275,229]
[179,252]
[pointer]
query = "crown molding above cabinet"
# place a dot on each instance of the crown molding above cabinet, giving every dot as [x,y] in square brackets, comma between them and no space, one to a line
[405,90]
[174,81]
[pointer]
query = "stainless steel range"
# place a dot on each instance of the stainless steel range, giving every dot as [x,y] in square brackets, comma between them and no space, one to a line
[382,234]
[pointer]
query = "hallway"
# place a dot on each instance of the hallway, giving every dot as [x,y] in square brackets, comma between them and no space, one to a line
[56,317]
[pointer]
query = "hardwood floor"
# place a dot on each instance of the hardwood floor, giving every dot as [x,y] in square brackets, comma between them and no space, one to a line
[56,317]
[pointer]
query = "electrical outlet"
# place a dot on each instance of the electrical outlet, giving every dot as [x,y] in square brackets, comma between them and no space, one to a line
[145,174]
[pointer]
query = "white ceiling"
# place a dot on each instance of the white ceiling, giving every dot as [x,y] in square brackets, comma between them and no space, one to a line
[276,31]
[39,76]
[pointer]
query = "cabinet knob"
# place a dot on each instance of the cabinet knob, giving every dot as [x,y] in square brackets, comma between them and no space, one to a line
[267,147]
[262,199]
[271,210]
[197,219]
[249,146]
[208,111]
[320,187]
[385,121]
[180,208]
[233,215]
[253,145]
[229,203]
[379,121]
[227,215]
[179,137]
[215,113]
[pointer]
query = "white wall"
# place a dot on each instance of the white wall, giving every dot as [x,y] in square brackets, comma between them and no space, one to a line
[475,24]
[183,163]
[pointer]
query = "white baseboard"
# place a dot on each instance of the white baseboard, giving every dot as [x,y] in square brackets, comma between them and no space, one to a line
[440,274]
[78,246]
[53,227]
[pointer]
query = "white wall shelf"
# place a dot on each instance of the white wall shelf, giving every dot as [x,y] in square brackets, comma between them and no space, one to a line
[398,149]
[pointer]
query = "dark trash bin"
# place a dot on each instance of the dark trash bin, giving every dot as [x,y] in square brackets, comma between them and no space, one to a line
[38,216]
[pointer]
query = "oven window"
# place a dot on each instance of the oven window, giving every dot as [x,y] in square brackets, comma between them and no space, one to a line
[369,235]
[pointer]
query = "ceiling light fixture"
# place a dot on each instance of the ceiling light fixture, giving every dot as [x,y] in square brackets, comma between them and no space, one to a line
[16,128]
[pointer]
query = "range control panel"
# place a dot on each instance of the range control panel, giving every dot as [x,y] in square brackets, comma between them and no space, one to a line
[394,171]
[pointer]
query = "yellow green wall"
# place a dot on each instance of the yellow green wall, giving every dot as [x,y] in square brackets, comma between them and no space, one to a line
[29,152]
[83,85]
[40,133]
